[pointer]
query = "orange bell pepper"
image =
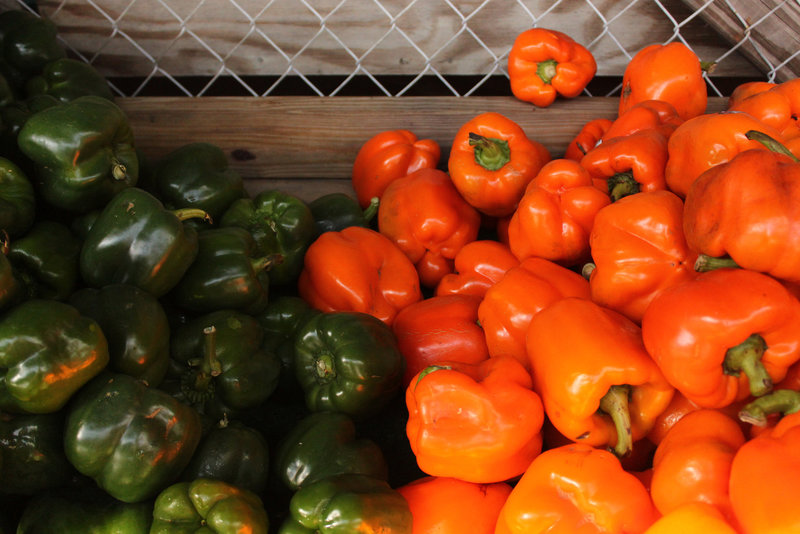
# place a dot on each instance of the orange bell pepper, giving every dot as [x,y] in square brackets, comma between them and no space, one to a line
[629,164]
[429,220]
[576,489]
[358,269]
[477,267]
[692,518]
[638,249]
[389,155]
[443,505]
[724,335]
[678,407]
[509,305]
[439,329]
[607,401]
[492,161]
[543,64]
[749,211]
[555,215]
[747,89]
[587,138]
[645,115]
[764,475]
[707,141]
[672,73]
[479,423]
[693,462]
[778,107]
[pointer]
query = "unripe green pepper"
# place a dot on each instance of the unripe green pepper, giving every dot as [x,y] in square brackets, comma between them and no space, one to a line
[48,351]
[27,43]
[17,201]
[11,292]
[335,211]
[132,439]
[66,79]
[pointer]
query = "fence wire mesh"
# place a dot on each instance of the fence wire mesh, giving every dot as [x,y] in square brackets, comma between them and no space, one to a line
[269,47]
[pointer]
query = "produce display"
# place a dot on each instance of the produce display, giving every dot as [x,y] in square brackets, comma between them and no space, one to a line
[508,341]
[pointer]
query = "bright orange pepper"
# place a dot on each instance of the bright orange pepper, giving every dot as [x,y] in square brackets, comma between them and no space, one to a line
[543,64]
[429,220]
[576,489]
[747,89]
[555,215]
[477,267]
[587,138]
[479,423]
[778,107]
[358,269]
[692,518]
[443,505]
[389,155]
[672,73]
[492,161]
[645,115]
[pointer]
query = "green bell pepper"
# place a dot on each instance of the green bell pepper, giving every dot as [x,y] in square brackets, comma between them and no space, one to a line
[27,43]
[82,151]
[324,444]
[226,274]
[136,241]
[33,452]
[197,175]
[48,351]
[17,200]
[45,261]
[131,439]
[348,362]
[85,511]
[11,292]
[208,506]
[337,211]
[13,117]
[343,504]
[282,224]
[234,453]
[135,325]
[66,79]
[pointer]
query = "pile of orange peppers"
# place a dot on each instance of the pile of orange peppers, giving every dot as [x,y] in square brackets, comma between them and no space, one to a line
[605,340]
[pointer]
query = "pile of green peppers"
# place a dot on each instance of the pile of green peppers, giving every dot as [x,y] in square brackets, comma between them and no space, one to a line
[158,372]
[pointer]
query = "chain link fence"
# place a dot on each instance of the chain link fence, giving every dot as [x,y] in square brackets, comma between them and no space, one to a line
[397,48]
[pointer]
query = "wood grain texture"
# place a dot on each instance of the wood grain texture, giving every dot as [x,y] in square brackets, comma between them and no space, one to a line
[307,145]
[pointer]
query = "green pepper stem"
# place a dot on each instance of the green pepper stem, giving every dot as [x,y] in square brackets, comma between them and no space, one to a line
[781,401]
[267,262]
[490,153]
[621,185]
[615,404]
[372,209]
[192,213]
[430,369]
[588,269]
[708,66]
[211,365]
[746,358]
[705,263]
[198,384]
[771,143]
[118,170]
[326,370]
[546,70]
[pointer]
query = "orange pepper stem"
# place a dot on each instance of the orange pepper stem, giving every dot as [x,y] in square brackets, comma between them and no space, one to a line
[615,404]
[118,172]
[192,213]
[490,153]
[326,371]
[746,358]
[372,208]
[546,70]
[708,66]
[588,269]
[267,262]
[705,263]
[771,143]
[621,185]
[782,401]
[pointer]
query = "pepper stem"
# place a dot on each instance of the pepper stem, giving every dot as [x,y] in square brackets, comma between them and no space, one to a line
[490,153]
[615,404]
[5,243]
[621,185]
[118,170]
[782,401]
[705,263]
[546,70]
[771,143]
[746,358]
[267,262]
[587,270]
[326,370]
[198,383]
[192,213]
[372,209]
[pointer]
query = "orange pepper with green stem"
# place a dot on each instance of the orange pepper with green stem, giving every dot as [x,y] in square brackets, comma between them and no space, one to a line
[543,64]
[477,267]
[492,161]
[429,220]
[587,138]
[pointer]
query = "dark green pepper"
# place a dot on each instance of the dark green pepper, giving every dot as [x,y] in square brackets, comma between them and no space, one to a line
[197,175]
[11,292]
[226,274]
[324,444]
[13,117]
[82,151]
[348,362]
[208,506]
[343,504]
[336,211]
[17,200]
[281,223]
[45,261]
[66,79]
[132,439]
[48,351]
[135,325]
[27,43]
[136,241]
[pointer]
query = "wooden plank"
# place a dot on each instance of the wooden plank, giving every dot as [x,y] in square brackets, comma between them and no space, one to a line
[308,144]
